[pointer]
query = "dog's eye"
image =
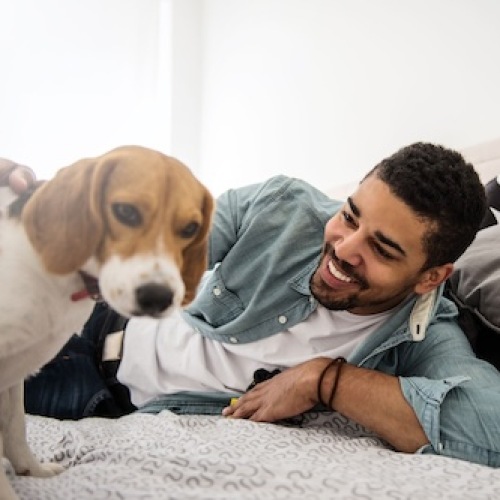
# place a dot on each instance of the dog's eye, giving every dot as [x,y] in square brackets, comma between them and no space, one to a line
[127,214]
[190,230]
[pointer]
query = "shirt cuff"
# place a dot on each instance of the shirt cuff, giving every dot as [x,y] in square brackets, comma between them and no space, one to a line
[425,396]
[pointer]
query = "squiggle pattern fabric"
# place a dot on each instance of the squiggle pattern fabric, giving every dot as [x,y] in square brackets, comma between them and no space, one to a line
[166,456]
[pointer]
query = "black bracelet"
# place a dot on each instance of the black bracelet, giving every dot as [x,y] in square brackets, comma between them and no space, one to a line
[321,377]
[339,362]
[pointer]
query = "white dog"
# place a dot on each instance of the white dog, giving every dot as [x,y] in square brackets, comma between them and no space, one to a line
[134,220]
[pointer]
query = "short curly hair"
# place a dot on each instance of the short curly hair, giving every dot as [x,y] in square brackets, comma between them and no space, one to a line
[442,188]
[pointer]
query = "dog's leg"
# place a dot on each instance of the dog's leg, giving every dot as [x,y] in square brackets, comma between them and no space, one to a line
[6,491]
[13,427]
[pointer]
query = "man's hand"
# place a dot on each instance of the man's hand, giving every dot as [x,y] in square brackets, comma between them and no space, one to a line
[18,177]
[370,398]
[288,394]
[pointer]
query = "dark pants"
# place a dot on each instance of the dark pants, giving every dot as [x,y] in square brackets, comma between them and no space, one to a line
[76,384]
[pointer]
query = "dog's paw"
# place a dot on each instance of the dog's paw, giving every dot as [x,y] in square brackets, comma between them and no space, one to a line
[48,469]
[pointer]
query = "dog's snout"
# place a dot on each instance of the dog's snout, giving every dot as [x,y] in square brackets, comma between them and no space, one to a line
[153,298]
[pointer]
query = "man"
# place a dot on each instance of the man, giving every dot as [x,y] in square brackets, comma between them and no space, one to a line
[292,288]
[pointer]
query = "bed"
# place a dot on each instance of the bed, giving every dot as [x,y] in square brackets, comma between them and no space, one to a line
[165,455]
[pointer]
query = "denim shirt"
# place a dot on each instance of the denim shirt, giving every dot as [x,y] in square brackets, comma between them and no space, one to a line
[264,247]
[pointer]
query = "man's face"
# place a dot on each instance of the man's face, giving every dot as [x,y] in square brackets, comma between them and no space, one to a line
[373,252]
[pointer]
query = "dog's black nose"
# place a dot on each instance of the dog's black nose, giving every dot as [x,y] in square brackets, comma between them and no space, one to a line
[153,298]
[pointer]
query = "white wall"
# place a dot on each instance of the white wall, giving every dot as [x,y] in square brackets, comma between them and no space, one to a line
[78,78]
[244,89]
[323,89]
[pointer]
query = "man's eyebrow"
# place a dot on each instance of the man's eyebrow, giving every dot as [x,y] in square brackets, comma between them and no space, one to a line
[387,241]
[353,207]
[380,236]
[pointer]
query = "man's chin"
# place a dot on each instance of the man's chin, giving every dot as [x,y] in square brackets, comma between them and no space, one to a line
[324,296]
[338,304]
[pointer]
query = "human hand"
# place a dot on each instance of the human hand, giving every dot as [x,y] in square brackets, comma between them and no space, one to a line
[18,177]
[286,395]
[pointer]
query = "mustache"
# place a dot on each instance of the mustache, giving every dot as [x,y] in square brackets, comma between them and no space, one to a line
[344,266]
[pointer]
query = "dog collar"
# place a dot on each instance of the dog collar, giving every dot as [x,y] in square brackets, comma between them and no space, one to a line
[90,288]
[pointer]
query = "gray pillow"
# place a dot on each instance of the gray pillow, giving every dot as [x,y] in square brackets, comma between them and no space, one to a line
[492,215]
[475,283]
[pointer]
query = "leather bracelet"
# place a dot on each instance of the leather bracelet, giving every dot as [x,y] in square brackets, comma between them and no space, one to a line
[321,377]
[340,361]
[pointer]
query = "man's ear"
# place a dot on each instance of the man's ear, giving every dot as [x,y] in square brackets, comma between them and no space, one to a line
[433,277]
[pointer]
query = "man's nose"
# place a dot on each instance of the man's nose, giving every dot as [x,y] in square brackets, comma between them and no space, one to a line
[348,248]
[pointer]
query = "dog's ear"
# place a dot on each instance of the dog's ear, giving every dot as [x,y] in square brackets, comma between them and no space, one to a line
[195,255]
[63,220]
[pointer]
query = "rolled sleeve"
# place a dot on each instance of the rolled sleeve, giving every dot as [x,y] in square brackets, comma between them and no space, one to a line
[425,396]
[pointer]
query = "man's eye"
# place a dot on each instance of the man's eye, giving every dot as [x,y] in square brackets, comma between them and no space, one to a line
[380,250]
[189,230]
[127,214]
[348,218]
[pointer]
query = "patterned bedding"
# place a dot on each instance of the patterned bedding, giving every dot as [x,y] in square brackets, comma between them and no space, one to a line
[145,456]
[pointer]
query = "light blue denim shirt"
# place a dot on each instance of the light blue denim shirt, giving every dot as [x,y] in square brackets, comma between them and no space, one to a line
[264,247]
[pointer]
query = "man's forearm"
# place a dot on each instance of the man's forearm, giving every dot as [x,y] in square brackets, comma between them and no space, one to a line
[375,400]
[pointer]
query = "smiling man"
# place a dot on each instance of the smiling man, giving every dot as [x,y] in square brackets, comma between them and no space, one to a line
[344,299]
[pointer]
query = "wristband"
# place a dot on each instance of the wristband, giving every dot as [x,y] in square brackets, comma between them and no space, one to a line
[340,361]
[321,377]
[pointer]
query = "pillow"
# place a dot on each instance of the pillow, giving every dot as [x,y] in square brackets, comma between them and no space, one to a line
[492,216]
[475,284]
[476,279]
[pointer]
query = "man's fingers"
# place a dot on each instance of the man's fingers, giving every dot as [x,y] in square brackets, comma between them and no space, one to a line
[21,178]
[18,177]
[241,408]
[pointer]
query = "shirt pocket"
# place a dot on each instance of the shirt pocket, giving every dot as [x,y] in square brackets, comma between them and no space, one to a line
[215,304]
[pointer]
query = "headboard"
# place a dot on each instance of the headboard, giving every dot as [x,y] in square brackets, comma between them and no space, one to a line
[485,157]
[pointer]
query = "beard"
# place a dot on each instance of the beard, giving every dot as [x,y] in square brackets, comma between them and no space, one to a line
[323,294]
[334,304]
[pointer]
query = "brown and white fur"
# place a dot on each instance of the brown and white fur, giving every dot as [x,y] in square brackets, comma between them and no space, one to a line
[134,219]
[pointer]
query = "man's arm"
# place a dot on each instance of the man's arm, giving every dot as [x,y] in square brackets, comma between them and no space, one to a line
[370,398]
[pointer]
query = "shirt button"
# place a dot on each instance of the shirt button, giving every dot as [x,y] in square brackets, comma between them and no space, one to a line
[216,291]
[282,319]
[233,340]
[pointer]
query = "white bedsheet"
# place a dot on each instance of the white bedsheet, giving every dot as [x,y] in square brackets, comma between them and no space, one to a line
[143,456]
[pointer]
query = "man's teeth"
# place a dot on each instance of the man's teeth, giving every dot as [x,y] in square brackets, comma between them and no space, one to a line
[337,274]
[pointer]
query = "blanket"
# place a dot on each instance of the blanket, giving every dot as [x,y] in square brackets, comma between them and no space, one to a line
[145,456]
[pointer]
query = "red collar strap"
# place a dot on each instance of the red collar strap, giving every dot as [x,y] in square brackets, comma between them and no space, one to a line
[90,288]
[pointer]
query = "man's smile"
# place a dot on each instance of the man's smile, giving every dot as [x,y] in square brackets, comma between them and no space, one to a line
[337,274]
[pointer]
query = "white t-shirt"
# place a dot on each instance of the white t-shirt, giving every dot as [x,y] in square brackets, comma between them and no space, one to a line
[167,356]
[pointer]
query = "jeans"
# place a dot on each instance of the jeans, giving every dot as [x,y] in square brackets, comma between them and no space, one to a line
[74,384]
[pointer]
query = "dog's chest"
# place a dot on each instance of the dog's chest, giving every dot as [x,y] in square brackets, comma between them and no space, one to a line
[35,306]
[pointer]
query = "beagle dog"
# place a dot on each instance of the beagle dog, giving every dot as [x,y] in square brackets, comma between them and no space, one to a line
[133,220]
